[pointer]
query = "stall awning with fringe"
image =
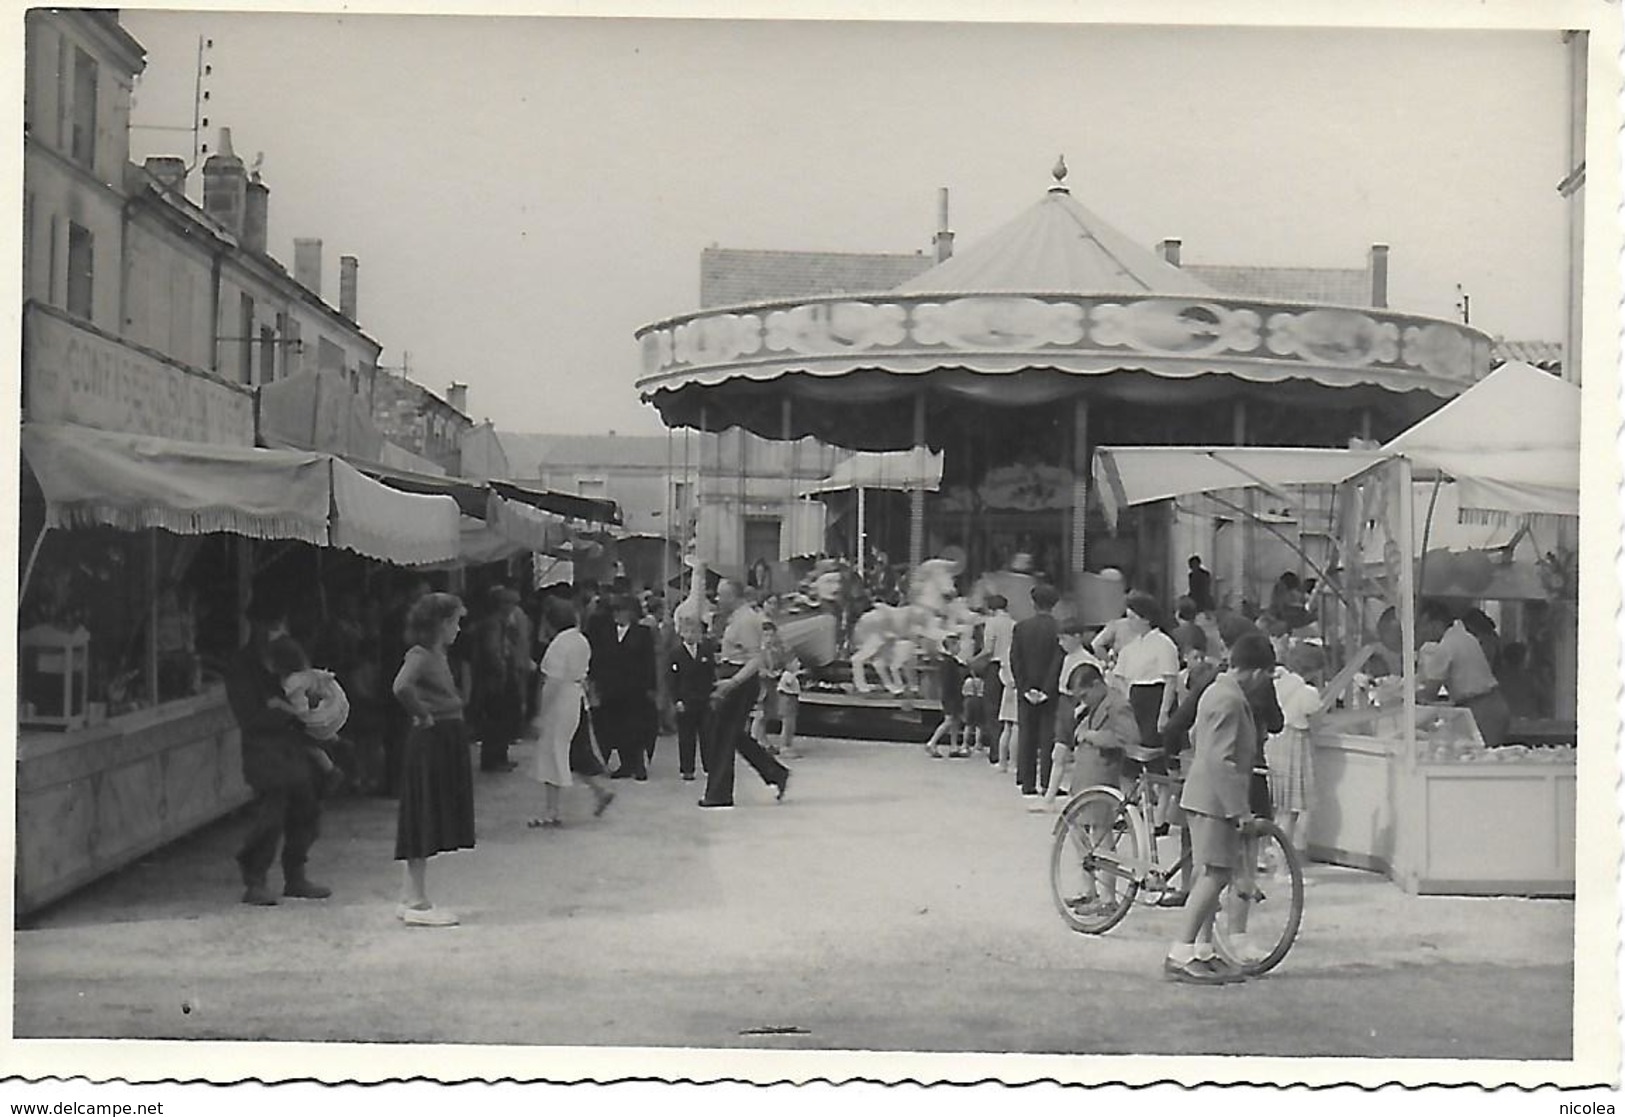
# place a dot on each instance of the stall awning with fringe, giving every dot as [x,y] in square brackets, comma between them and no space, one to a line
[528,527]
[406,528]
[133,482]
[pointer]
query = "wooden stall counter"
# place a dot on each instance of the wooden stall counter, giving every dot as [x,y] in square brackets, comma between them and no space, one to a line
[92,800]
[1450,817]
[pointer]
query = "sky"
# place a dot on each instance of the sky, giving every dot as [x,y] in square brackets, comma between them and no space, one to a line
[524,193]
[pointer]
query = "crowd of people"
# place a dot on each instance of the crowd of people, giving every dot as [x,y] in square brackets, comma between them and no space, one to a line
[405,692]
[1219,699]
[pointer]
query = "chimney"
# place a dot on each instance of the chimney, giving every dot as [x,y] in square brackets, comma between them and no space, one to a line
[348,266]
[307,263]
[225,186]
[944,240]
[1169,250]
[169,171]
[457,396]
[1378,268]
[256,214]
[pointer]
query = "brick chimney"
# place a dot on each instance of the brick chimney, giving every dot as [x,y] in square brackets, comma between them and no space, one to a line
[256,215]
[225,186]
[1168,249]
[169,171]
[348,266]
[1377,266]
[307,263]
[944,240]
[457,396]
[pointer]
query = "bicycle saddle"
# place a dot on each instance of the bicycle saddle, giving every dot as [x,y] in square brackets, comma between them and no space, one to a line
[1141,755]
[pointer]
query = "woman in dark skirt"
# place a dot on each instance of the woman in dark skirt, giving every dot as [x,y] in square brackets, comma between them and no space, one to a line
[437,780]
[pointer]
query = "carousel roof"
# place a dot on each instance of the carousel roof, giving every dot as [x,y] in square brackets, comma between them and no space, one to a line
[1057,245]
[1054,305]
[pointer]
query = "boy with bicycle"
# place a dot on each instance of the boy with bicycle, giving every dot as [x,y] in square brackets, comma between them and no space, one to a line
[1215,801]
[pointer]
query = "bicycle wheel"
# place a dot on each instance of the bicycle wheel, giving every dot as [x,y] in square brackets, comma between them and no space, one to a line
[1093,860]
[1260,910]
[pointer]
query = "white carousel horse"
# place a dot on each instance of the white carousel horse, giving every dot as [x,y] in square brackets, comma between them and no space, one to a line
[888,636]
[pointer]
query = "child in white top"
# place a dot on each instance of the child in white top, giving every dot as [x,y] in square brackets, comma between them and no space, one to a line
[1288,752]
[789,691]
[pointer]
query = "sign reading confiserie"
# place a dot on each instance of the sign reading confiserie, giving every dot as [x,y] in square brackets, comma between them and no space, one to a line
[74,374]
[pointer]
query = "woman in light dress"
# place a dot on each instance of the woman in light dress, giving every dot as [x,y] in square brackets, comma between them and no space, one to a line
[561,747]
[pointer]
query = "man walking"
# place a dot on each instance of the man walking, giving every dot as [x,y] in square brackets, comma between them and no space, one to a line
[623,673]
[1035,664]
[287,809]
[739,679]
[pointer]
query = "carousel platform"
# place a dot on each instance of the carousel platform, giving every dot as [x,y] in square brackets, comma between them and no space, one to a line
[876,716]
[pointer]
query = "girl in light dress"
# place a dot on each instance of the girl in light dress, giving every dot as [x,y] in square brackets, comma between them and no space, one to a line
[563,749]
[1288,752]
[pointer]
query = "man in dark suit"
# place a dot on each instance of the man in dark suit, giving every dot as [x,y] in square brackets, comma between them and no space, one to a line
[623,675]
[1035,661]
[691,672]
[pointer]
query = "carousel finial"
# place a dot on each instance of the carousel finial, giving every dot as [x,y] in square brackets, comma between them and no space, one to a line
[1059,174]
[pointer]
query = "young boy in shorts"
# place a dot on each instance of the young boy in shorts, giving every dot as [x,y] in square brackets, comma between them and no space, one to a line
[1215,801]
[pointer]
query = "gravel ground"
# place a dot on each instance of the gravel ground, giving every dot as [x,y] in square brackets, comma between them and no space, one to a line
[892,902]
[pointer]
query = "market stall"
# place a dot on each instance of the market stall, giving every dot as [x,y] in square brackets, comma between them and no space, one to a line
[1403,788]
[130,606]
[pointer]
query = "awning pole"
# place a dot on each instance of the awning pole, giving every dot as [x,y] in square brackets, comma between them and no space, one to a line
[28,571]
[916,496]
[1427,530]
[152,614]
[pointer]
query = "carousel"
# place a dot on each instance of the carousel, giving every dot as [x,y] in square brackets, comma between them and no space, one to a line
[1015,358]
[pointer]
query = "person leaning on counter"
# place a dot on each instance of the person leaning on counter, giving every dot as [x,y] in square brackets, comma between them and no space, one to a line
[1452,657]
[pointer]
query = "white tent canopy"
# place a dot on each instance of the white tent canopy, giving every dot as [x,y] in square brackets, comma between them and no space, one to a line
[1511,442]
[1129,475]
[893,469]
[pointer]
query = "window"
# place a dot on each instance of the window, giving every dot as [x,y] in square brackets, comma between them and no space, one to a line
[81,270]
[245,338]
[82,137]
[267,355]
[681,494]
[597,487]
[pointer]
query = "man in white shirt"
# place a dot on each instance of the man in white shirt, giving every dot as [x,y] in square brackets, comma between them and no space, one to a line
[1453,658]
[740,661]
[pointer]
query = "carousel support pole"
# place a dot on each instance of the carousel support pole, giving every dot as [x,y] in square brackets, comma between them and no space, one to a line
[862,542]
[1244,530]
[741,491]
[787,534]
[1078,513]
[916,493]
[1365,424]
[665,527]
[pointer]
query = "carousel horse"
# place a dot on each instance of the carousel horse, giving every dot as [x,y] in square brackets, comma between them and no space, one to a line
[888,636]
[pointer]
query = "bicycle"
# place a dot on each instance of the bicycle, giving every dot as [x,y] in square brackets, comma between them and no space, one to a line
[1105,855]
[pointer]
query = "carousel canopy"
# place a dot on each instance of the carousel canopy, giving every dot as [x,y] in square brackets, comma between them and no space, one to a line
[1057,245]
[1055,305]
[1511,442]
